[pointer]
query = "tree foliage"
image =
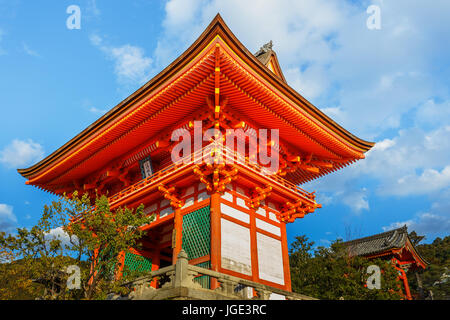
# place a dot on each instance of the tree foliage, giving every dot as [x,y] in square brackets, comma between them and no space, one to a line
[71,231]
[436,277]
[330,273]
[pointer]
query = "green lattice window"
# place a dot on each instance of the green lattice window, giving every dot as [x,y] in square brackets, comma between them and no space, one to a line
[196,233]
[204,280]
[135,262]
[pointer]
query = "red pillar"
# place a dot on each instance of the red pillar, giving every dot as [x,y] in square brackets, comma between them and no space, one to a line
[254,247]
[215,235]
[285,253]
[155,266]
[178,236]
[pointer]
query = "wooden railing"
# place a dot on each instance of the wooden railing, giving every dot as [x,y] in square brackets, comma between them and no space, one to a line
[183,275]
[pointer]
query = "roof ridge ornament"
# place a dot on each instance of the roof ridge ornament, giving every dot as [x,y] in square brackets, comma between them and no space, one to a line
[265,48]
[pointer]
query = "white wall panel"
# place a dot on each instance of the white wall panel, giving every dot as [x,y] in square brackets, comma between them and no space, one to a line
[273,216]
[235,213]
[227,196]
[268,227]
[240,202]
[261,211]
[189,202]
[270,259]
[201,186]
[235,247]
[202,196]
[165,212]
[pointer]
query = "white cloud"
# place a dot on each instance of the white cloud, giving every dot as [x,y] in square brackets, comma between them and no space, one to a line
[429,181]
[414,162]
[383,145]
[29,51]
[8,219]
[433,113]
[59,234]
[333,112]
[434,222]
[96,40]
[310,83]
[356,200]
[325,242]
[95,110]
[368,81]
[20,153]
[424,223]
[2,51]
[131,66]
[327,52]
[92,8]
[180,13]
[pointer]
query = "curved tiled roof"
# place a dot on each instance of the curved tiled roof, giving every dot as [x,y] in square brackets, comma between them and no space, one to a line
[378,243]
[383,242]
[180,88]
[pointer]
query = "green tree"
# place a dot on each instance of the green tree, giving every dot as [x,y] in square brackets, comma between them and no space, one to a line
[94,239]
[330,273]
[36,257]
[436,276]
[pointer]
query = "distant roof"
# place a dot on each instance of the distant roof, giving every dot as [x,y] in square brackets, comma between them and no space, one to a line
[382,242]
[378,243]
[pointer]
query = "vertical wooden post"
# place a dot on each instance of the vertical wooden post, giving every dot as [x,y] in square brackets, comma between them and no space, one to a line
[407,290]
[215,196]
[215,235]
[177,238]
[121,262]
[155,266]
[254,247]
[285,254]
[93,266]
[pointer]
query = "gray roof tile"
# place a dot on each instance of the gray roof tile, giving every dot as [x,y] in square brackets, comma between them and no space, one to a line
[378,243]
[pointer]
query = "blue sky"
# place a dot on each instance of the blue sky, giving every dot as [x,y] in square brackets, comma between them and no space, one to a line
[390,86]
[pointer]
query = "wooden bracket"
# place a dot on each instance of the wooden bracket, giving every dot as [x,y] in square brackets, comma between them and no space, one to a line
[258,195]
[299,209]
[215,176]
[172,195]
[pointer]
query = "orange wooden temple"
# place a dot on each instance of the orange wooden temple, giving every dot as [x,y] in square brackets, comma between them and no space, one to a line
[230,218]
[394,245]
